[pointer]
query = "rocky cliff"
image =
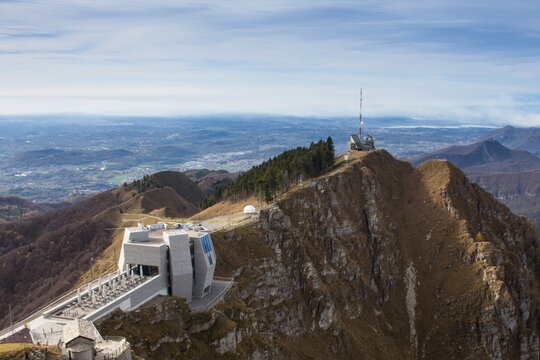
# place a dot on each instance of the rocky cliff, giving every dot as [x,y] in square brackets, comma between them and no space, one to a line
[512,176]
[373,260]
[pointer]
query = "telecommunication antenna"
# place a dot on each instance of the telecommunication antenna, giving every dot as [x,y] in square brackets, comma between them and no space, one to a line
[360,120]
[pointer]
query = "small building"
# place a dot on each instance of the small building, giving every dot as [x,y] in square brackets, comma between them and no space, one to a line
[79,339]
[82,341]
[357,144]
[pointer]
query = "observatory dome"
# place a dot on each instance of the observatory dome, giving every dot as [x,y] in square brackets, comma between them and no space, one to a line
[249,209]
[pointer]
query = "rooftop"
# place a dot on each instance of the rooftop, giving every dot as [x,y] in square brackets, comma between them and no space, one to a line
[155,236]
[103,291]
[356,139]
[80,328]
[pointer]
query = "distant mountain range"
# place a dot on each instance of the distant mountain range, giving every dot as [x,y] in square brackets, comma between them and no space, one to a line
[517,138]
[488,156]
[513,176]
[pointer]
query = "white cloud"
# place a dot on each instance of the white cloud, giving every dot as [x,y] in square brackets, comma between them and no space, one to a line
[427,59]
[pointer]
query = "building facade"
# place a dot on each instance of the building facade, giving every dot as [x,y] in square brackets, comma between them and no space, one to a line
[184,259]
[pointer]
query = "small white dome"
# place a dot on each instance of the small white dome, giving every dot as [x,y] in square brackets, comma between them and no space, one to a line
[250,209]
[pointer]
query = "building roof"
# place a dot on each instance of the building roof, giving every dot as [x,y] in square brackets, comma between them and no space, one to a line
[356,139]
[250,209]
[80,328]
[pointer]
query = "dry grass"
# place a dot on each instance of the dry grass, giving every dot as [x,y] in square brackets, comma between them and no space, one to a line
[6,348]
[18,351]
[107,261]
[225,208]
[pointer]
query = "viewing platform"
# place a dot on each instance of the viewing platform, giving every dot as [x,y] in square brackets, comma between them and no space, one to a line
[118,290]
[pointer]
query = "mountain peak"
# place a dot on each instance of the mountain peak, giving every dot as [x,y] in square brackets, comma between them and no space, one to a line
[517,138]
[482,153]
[424,249]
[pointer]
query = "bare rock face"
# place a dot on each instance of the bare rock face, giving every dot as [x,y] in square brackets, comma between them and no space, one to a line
[374,260]
[380,260]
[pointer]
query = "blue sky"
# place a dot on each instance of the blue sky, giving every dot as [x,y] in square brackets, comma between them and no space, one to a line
[472,61]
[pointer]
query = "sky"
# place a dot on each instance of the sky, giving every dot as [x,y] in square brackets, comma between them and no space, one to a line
[472,61]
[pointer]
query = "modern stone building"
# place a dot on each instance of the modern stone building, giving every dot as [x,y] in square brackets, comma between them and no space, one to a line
[153,261]
[184,259]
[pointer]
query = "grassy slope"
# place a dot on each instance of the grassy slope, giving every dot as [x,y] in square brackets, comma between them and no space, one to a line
[20,351]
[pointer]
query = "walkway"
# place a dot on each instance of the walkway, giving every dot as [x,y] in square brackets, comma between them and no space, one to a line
[219,289]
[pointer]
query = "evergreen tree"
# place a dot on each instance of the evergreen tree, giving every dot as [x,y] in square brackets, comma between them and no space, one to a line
[278,174]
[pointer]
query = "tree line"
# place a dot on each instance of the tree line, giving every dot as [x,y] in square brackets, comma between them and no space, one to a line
[144,184]
[278,174]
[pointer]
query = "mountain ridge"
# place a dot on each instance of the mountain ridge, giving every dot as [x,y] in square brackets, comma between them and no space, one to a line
[517,138]
[375,259]
[477,157]
[510,175]
[15,207]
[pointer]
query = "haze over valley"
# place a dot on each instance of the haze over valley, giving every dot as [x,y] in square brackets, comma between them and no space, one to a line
[50,159]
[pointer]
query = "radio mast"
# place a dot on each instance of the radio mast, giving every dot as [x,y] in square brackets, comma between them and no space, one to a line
[360,120]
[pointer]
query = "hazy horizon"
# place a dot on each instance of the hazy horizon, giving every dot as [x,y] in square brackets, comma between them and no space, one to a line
[341,121]
[472,63]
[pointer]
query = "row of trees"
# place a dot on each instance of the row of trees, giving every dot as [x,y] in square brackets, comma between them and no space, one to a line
[144,184]
[278,174]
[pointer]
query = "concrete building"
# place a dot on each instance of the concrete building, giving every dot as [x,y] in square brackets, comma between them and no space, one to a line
[154,261]
[184,259]
[82,341]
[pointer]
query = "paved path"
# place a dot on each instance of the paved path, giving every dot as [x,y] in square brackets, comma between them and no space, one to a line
[219,289]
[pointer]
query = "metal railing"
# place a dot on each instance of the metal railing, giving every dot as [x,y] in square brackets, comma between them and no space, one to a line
[41,311]
[123,346]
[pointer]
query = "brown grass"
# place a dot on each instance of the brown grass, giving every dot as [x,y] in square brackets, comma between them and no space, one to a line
[107,262]
[18,351]
[225,208]
[7,348]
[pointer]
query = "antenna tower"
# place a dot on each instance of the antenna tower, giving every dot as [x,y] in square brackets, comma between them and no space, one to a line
[360,120]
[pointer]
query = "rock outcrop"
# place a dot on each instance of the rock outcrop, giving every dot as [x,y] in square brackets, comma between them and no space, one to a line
[376,260]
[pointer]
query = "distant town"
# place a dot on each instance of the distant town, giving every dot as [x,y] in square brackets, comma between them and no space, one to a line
[76,157]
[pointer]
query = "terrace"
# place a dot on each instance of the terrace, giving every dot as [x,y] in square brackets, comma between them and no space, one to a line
[95,295]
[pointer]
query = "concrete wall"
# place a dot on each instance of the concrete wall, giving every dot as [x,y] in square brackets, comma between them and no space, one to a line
[204,272]
[85,351]
[135,234]
[80,355]
[144,254]
[131,234]
[180,263]
[126,355]
[136,297]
